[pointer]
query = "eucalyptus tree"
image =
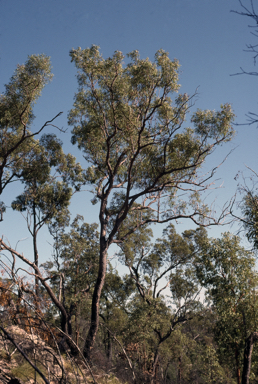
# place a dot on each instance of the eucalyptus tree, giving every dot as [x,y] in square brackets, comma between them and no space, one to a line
[195,352]
[165,268]
[48,176]
[227,270]
[155,268]
[129,126]
[250,214]
[76,254]
[16,117]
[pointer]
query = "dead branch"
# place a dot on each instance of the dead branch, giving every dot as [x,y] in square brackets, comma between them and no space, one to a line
[24,354]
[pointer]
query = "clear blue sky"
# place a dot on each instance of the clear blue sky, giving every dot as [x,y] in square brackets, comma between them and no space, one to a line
[203,35]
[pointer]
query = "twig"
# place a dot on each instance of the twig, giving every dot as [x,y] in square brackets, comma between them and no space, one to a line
[78,349]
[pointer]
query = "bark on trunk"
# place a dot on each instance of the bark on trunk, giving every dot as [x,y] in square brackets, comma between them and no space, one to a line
[36,255]
[67,329]
[109,347]
[94,325]
[238,375]
[248,356]
[154,367]
[36,261]
[179,370]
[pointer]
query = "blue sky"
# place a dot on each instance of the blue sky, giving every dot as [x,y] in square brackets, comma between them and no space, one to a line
[203,35]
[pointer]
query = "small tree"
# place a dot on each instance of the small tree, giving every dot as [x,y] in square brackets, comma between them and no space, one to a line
[227,270]
[16,117]
[170,259]
[77,252]
[44,198]
[141,160]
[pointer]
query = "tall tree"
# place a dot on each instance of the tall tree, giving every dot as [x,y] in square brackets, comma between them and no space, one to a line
[141,159]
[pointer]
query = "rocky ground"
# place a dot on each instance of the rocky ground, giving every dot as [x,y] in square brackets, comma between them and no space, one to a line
[56,368]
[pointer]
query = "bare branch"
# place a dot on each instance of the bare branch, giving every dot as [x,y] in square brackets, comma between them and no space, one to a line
[24,355]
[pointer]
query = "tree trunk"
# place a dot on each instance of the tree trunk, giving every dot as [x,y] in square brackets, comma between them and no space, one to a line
[165,373]
[154,367]
[66,326]
[249,342]
[36,255]
[238,375]
[179,370]
[109,347]
[94,325]
[108,340]
[67,329]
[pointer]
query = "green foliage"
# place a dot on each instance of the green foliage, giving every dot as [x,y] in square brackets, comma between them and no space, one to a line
[22,92]
[78,251]
[130,130]
[118,290]
[128,119]
[43,192]
[73,271]
[172,249]
[227,270]
[16,115]
[250,210]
